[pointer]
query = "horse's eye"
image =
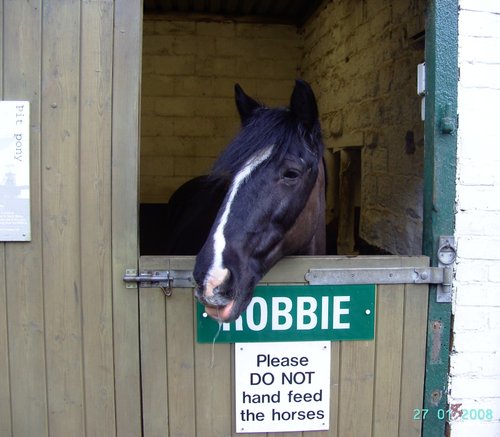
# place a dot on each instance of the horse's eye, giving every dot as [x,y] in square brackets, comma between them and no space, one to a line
[291,174]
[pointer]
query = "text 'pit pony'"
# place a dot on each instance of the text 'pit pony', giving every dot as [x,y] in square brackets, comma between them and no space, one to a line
[274,204]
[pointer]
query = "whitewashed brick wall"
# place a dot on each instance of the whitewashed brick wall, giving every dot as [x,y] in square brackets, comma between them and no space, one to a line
[475,361]
[188,110]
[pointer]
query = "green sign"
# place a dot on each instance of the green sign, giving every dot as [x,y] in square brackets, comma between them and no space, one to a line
[297,313]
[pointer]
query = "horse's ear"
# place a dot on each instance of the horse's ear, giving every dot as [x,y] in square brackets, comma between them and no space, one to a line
[303,104]
[245,104]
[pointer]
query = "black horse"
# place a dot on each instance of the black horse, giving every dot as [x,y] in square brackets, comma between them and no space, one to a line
[268,190]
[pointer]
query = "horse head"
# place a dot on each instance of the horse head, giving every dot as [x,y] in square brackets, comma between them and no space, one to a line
[275,203]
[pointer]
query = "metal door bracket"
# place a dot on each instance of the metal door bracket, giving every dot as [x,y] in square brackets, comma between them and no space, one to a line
[446,255]
[167,280]
[442,275]
[398,275]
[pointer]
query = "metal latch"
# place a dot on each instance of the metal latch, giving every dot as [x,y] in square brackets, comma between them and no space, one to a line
[446,255]
[167,280]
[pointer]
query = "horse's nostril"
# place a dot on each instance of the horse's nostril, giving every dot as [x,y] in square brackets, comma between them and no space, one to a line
[216,300]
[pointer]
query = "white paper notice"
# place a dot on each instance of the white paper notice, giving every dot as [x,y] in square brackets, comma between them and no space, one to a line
[14,171]
[282,387]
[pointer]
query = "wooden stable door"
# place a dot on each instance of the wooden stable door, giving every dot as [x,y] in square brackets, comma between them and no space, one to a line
[376,386]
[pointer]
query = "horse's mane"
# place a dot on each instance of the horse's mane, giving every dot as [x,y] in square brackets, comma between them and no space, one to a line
[276,127]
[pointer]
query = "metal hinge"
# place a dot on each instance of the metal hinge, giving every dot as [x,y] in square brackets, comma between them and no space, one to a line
[167,280]
[383,275]
[442,275]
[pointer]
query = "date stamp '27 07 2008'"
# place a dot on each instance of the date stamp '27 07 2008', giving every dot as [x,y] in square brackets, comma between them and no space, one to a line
[454,413]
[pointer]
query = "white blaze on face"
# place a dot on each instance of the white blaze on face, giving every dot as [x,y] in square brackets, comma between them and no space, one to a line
[218,273]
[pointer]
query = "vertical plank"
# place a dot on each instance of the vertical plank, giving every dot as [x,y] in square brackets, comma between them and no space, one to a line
[60,212]
[125,140]
[182,396]
[95,212]
[335,389]
[154,363]
[212,369]
[5,403]
[356,388]
[347,181]
[154,360]
[154,378]
[389,345]
[180,353]
[413,361]
[22,29]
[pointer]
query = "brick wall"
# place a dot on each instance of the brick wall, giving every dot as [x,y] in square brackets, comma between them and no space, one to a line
[475,359]
[189,72]
[361,57]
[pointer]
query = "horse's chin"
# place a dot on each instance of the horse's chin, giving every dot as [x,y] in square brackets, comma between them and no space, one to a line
[221,313]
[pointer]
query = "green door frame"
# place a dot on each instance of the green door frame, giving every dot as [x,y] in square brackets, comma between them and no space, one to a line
[441,58]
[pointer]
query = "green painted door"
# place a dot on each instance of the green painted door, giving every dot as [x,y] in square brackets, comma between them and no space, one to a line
[439,192]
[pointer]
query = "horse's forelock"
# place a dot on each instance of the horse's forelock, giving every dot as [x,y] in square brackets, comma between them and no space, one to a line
[276,127]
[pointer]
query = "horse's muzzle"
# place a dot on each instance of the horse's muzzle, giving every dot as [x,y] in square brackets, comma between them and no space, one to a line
[218,305]
[217,299]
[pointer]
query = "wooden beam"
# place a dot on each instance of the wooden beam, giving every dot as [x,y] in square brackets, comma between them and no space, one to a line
[219,18]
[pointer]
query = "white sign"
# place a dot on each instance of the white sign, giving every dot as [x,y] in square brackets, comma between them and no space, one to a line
[282,387]
[15,171]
